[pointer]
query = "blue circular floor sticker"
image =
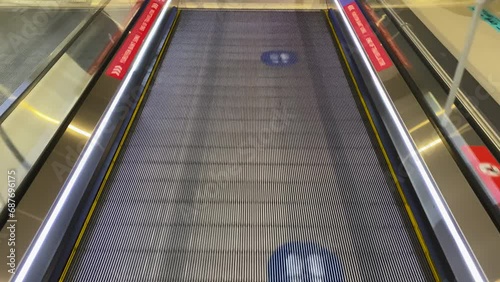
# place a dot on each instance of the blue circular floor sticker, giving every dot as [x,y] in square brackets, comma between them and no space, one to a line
[305,262]
[279,58]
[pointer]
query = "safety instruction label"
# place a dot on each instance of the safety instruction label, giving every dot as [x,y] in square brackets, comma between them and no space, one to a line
[128,50]
[382,30]
[486,166]
[113,39]
[376,52]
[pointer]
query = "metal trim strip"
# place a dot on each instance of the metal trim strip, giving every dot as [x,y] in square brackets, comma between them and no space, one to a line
[387,159]
[42,249]
[465,264]
[116,154]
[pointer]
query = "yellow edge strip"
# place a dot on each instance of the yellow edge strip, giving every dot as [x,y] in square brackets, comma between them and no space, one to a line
[386,157]
[117,153]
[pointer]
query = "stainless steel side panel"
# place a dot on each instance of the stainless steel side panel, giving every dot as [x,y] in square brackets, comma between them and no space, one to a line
[44,189]
[469,238]
[39,245]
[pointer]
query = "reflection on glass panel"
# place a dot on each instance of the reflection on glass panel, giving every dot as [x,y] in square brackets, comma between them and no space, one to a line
[442,28]
[27,130]
[427,38]
[30,35]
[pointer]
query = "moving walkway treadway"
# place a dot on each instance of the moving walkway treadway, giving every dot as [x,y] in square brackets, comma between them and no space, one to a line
[240,145]
[251,159]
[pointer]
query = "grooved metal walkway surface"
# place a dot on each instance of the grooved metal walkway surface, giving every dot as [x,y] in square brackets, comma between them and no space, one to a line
[250,166]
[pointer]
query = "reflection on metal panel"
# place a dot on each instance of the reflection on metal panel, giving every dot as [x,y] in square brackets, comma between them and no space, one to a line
[49,102]
[39,115]
[93,44]
[440,185]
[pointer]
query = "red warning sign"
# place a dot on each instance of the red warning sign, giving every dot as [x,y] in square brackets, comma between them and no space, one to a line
[123,59]
[376,52]
[113,39]
[486,166]
[386,35]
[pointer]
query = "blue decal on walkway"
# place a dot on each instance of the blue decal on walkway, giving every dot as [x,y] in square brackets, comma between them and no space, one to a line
[278,58]
[489,18]
[305,262]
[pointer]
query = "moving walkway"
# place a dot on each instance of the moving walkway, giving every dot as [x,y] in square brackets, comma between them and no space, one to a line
[231,157]
[250,152]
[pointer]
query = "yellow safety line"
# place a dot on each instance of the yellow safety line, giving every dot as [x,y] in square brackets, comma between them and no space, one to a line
[118,150]
[386,157]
